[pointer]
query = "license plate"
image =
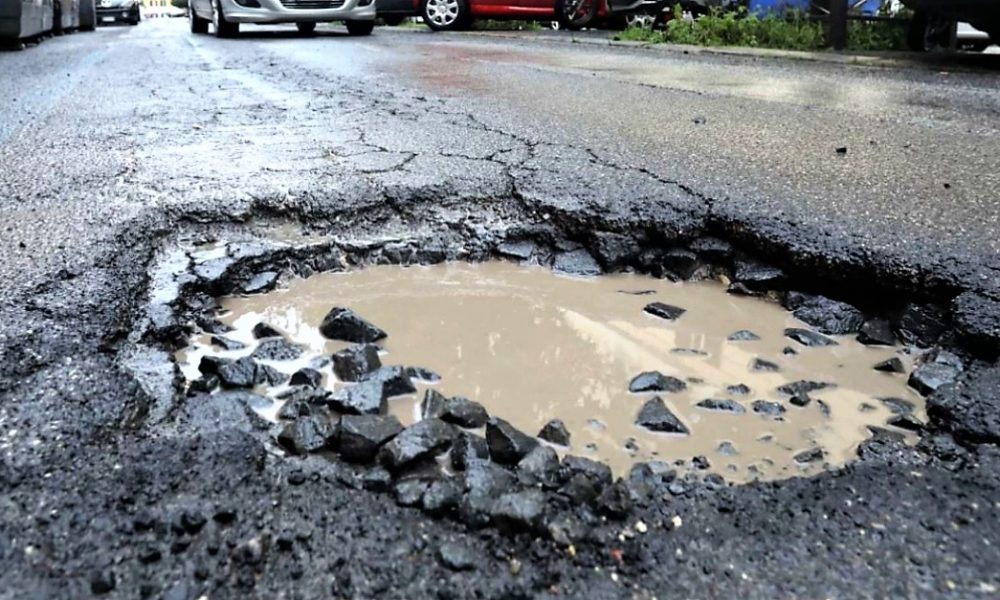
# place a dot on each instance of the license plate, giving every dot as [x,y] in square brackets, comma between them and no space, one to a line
[107,19]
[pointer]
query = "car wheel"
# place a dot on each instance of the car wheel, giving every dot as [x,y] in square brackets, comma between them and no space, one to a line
[306,28]
[928,32]
[223,28]
[198,25]
[360,27]
[576,14]
[446,15]
[639,21]
[393,21]
[978,46]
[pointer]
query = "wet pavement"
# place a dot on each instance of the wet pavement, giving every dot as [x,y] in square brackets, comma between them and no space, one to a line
[112,142]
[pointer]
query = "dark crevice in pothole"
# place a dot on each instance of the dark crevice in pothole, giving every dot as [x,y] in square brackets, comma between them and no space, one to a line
[585,242]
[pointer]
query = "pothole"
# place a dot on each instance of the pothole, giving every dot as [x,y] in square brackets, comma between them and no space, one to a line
[733,385]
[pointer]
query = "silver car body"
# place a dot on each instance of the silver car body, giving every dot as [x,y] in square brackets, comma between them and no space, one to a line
[290,11]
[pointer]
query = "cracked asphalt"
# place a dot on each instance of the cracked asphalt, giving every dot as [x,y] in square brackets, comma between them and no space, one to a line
[113,141]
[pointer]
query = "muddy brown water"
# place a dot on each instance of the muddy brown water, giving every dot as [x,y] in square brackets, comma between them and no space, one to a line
[532,345]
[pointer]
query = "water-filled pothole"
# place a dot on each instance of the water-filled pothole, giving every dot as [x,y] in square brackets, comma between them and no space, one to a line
[531,345]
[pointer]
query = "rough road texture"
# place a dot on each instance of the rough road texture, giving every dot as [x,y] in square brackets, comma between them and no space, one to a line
[114,141]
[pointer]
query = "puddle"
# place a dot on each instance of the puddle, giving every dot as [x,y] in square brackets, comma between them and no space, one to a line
[531,345]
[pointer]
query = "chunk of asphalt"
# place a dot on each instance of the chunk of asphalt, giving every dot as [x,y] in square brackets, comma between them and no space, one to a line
[767,408]
[877,332]
[204,384]
[294,409]
[467,448]
[356,362]
[828,316]
[898,406]
[755,275]
[210,365]
[555,432]
[800,398]
[740,389]
[307,434]
[522,249]
[263,330]
[464,413]
[410,492]
[680,262]
[394,380]
[743,335]
[810,456]
[361,436]
[724,405]
[241,373]
[441,495]
[808,338]
[303,393]
[540,467]
[422,374]
[484,481]
[346,325]
[664,311]
[456,556]
[519,511]
[930,376]
[307,377]
[261,282]
[907,422]
[922,324]
[764,366]
[362,398]
[576,262]
[655,416]
[714,249]
[969,407]
[583,479]
[615,501]
[277,348]
[432,404]
[422,440]
[227,343]
[890,365]
[802,385]
[507,444]
[654,381]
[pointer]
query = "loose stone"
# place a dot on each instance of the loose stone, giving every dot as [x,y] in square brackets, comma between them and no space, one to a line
[361,436]
[808,338]
[354,363]
[890,365]
[555,432]
[725,405]
[654,381]
[507,444]
[263,330]
[307,377]
[425,439]
[346,325]
[743,335]
[277,348]
[655,416]
[464,413]
[664,311]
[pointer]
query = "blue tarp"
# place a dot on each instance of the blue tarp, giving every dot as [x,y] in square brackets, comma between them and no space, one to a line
[760,7]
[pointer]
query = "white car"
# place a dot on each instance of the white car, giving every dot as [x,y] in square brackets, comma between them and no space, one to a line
[227,15]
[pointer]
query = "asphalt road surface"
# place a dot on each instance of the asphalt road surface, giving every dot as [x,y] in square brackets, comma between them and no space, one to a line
[112,141]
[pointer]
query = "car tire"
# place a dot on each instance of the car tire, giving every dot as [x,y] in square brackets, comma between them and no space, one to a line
[360,27]
[576,14]
[978,46]
[393,21]
[446,15]
[306,28]
[198,25]
[927,32]
[223,28]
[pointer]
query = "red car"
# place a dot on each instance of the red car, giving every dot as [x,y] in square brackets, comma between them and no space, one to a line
[444,15]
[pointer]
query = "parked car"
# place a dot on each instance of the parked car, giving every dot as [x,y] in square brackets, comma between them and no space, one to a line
[24,19]
[227,15]
[394,12]
[119,11]
[933,20]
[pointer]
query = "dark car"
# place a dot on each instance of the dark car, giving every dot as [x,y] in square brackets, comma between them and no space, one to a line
[118,11]
[933,20]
